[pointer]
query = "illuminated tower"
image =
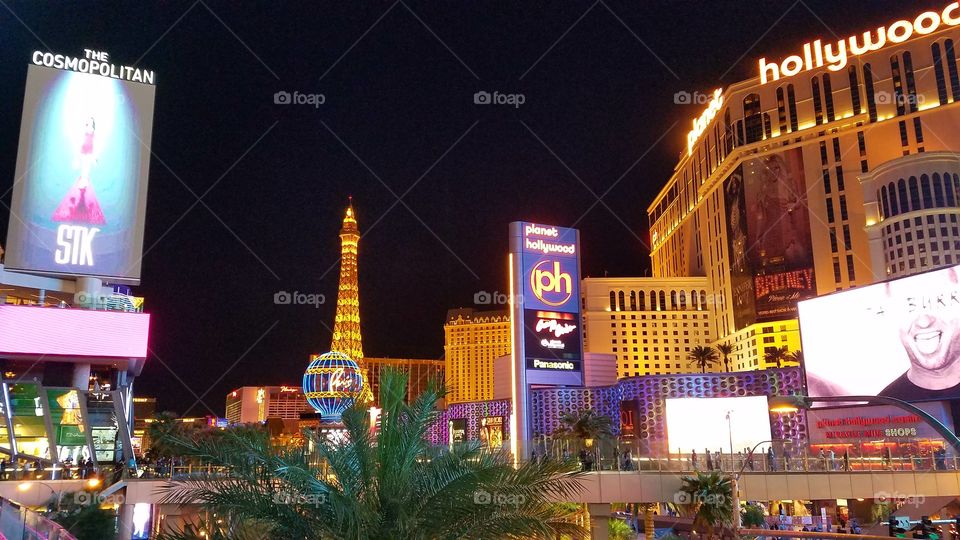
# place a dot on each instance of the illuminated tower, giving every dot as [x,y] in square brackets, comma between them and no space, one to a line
[346,326]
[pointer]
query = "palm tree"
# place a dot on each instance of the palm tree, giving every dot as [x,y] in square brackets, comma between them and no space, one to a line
[703,357]
[777,355]
[725,349]
[707,498]
[389,484]
[796,356]
[585,424]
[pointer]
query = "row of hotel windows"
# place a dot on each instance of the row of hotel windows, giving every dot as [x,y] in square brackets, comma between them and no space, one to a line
[658,301]
[755,125]
[910,195]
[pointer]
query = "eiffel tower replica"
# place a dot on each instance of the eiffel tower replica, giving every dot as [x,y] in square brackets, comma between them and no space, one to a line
[346,325]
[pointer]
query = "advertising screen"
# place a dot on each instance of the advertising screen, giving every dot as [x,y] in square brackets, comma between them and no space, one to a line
[458,430]
[552,340]
[699,423]
[900,338]
[41,331]
[547,276]
[768,227]
[81,177]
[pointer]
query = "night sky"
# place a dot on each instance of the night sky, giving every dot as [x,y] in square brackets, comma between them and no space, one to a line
[434,177]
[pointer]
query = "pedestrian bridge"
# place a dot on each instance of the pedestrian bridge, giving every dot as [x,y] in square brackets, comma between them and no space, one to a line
[622,486]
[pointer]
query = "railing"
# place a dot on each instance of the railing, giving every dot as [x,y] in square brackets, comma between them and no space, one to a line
[610,457]
[18,523]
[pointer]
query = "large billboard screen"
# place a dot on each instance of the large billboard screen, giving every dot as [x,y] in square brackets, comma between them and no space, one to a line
[53,332]
[698,423]
[900,338]
[548,279]
[847,425]
[81,177]
[768,235]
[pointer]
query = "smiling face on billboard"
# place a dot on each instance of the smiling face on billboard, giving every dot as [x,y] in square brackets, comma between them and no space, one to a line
[926,314]
[897,339]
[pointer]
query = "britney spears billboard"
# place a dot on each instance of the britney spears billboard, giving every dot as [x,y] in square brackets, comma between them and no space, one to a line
[81,178]
[768,234]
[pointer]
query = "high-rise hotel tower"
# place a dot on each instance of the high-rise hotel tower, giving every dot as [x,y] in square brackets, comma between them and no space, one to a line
[834,167]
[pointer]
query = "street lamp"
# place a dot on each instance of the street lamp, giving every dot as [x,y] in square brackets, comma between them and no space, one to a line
[787,404]
[730,431]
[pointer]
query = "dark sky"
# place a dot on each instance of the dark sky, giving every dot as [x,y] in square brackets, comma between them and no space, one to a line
[599,119]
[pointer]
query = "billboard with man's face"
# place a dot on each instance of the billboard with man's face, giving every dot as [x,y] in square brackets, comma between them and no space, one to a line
[900,338]
[81,178]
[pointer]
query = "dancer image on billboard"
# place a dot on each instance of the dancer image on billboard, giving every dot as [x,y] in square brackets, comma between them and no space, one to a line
[781,223]
[80,204]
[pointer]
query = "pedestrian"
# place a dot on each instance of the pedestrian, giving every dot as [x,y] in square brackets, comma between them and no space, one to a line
[693,459]
[709,460]
[832,458]
[627,460]
[583,459]
[846,460]
[718,462]
[750,460]
[3,469]
[38,467]
[786,459]
[771,460]
[823,460]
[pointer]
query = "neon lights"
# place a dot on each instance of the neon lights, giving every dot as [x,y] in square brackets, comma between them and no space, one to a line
[700,124]
[75,245]
[836,55]
[33,330]
[552,281]
[558,329]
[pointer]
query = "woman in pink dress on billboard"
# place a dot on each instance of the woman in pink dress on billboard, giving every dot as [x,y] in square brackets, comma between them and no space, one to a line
[80,204]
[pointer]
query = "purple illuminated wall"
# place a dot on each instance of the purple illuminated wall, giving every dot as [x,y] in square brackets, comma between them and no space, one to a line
[650,392]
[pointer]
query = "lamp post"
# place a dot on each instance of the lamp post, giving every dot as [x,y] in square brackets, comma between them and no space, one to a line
[730,431]
[785,404]
[735,479]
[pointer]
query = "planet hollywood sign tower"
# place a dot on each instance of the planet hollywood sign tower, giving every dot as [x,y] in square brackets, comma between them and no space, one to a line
[547,343]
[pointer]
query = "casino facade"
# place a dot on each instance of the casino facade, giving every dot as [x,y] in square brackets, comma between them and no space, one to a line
[822,173]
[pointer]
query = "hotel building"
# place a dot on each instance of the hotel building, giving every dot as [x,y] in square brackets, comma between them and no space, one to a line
[822,173]
[649,324]
[420,374]
[472,340]
[252,404]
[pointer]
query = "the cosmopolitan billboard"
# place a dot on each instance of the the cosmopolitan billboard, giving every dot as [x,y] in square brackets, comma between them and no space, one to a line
[81,177]
[768,238]
[899,338]
[547,276]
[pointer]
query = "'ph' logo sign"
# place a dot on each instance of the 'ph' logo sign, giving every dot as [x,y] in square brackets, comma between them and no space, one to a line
[551,286]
